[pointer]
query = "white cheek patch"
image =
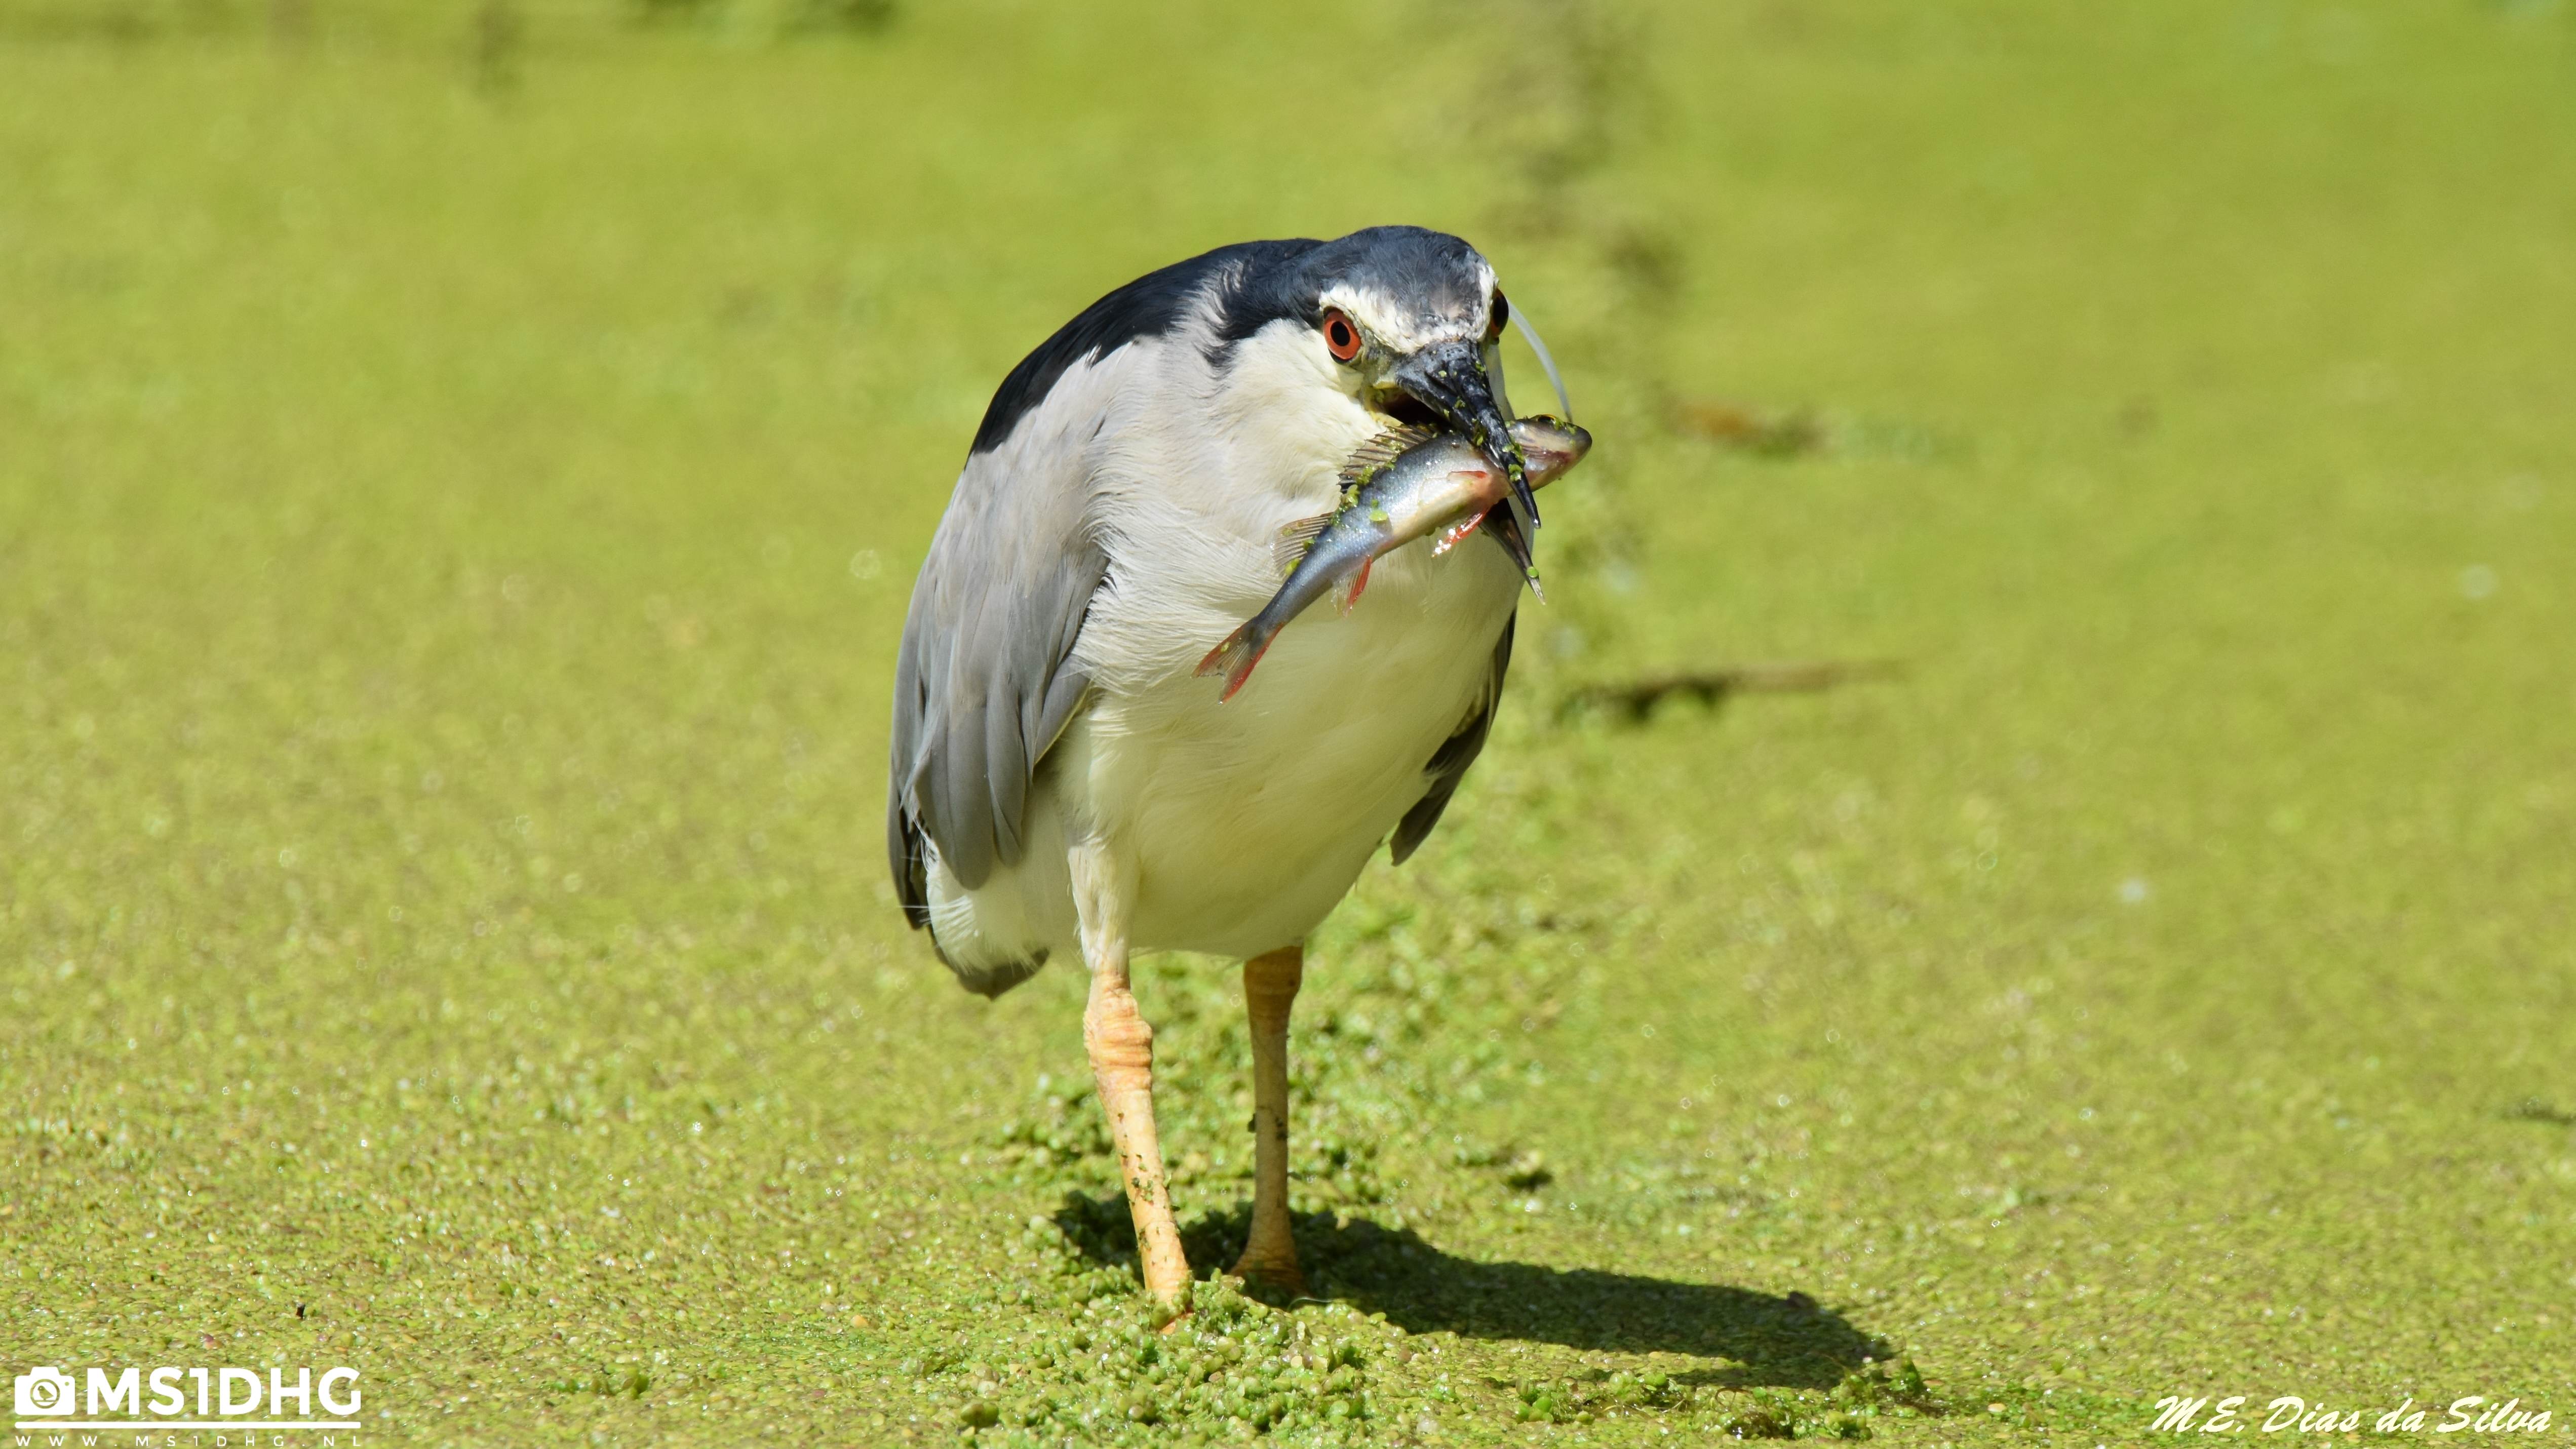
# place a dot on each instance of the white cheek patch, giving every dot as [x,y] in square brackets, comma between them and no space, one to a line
[1404,329]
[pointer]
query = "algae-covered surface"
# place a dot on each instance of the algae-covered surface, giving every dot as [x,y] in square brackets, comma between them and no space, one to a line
[462,468]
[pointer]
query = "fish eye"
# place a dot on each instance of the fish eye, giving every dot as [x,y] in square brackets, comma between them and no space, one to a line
[1501,313]
[1340,337]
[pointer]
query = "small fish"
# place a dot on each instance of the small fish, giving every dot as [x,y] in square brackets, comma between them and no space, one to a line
[1400,486]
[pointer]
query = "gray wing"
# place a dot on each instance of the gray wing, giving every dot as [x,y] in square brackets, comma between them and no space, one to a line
[986,683]
[1449,763]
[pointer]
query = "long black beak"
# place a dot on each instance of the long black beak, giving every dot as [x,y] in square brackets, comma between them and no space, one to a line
[1449,378]
[1505,528]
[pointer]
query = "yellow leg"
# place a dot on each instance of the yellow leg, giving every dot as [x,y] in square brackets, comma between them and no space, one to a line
[1269,989]
[1122,1066]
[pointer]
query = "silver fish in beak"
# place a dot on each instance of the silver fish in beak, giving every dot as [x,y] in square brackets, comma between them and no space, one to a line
[1449,379]
[1406,484]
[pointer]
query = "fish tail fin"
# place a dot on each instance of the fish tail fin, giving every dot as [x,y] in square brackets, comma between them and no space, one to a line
[1295,539]
[1349,593]
[1235,657]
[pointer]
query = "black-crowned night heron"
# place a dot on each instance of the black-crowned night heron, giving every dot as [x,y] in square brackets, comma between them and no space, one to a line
[1063,777]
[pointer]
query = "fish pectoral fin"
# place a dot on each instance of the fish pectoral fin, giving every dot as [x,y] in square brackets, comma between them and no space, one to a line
[1450,536]
[1295,539]
[1349,592]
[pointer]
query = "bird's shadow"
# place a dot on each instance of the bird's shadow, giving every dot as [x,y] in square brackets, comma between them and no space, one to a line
[1768,1341]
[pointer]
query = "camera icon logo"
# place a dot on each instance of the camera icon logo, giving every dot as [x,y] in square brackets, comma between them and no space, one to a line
[45,1392]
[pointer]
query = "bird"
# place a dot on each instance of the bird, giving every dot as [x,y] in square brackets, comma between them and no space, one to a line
[1062,780]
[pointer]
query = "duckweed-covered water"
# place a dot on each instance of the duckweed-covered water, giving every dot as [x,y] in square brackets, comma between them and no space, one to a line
[462,467]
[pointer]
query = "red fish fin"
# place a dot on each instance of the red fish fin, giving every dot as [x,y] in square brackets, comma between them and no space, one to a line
[1242,669]
[1350,594]
[1222,655]
[1450,537]
[1234,659]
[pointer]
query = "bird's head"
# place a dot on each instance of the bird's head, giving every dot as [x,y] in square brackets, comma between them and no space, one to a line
[1409,319]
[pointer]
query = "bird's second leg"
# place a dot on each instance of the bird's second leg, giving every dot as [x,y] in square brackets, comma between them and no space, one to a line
[1121,1045]
[1269,989]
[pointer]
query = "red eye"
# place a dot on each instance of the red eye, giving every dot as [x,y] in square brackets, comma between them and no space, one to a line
[1341,338]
